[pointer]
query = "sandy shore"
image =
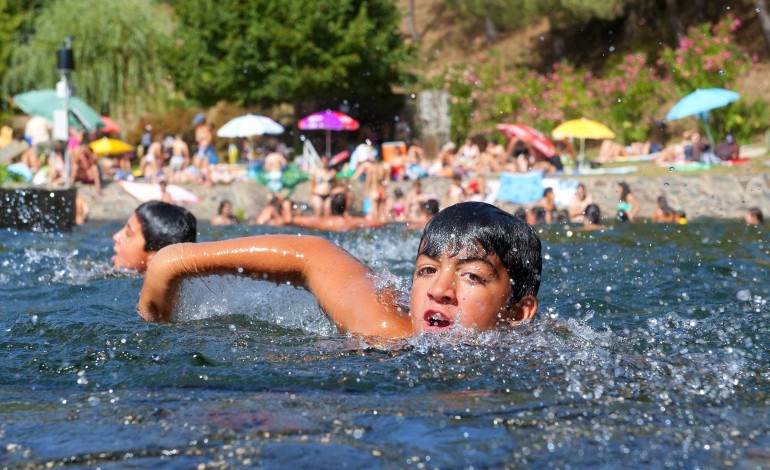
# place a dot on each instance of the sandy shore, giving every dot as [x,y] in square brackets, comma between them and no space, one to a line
[702,195]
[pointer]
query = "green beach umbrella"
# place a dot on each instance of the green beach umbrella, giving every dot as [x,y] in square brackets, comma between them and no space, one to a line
[43,103]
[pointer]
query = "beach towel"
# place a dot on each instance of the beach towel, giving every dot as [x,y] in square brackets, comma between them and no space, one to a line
[520,188]
[144,192]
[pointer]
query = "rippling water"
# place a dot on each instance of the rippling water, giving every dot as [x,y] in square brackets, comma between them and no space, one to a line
[651,349]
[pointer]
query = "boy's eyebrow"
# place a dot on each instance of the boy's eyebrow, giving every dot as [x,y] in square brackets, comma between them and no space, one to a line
[473,259]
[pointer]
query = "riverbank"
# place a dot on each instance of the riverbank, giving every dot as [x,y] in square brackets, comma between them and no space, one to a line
[703,195]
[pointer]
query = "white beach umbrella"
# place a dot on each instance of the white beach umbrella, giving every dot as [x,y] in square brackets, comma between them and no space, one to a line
[249,125]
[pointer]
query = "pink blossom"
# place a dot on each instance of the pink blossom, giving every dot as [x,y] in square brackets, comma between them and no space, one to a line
[680,60]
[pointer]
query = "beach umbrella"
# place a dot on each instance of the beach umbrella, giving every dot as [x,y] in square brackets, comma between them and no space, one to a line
[43,103]
[582,129]
[249,125]
[107,146]
[699,103]
[329,121]
[110,127]
[534,137]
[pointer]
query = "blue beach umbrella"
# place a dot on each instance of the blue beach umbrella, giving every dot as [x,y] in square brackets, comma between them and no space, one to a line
[699,103]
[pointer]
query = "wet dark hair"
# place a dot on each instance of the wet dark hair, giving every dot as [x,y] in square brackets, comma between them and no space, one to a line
[165,224]
[398,193]
[663,204]
[222,205]
[539,213]
[547,191]
[625,190]
[486,229]
[521,213]
[431,207]
[338,204]
[593,214]
[757,212]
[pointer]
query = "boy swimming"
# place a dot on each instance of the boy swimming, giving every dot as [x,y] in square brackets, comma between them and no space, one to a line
[477,267]
[152,226]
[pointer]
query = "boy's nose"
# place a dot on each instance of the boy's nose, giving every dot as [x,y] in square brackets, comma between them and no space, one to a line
[443,288]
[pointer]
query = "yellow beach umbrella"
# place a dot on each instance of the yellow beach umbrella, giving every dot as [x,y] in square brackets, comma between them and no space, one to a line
[107,146]
[582,129]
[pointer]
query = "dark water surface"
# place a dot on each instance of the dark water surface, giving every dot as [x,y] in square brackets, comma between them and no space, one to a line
[652,349]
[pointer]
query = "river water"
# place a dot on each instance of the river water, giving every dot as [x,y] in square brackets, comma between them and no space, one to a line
[651,349]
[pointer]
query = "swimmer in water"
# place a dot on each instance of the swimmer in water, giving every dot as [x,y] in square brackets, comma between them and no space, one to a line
[152,226]
[477,267]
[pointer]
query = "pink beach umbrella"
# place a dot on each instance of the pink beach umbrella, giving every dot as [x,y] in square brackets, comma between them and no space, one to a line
[535,138]
[329,121]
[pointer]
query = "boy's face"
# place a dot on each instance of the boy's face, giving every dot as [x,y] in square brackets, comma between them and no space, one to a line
[129,246]
[470,290]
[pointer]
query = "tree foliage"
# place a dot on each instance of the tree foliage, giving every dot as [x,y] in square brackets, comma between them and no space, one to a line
[117,47]
[266,52]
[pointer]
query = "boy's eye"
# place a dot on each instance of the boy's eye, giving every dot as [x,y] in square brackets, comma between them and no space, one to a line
[475,278]
[426,270]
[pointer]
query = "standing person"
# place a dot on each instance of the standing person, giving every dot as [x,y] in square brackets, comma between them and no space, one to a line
[146,139]
[455,193]
[628,207]
[273,168]
[397,206]
[578,203]
[85,170]
[321,182]
[151,162]
[152,226]
[180,157]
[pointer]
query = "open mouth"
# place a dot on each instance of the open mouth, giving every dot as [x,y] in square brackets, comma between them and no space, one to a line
[437,320]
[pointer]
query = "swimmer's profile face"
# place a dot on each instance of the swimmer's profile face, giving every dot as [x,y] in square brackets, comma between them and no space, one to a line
[129,246]
[469,290]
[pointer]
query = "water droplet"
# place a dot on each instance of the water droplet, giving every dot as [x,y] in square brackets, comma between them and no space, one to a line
[619,100]
[744,295]
[671,168]
[722,73]
[665,185]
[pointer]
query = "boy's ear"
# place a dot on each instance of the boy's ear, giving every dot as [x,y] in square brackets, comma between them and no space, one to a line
[525,309]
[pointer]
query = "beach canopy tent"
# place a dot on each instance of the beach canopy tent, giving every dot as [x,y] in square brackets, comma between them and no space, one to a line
[582,129]
[43,103]
[329,121]
[699,103]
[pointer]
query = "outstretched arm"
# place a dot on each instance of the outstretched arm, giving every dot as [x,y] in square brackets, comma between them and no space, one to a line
[343,286]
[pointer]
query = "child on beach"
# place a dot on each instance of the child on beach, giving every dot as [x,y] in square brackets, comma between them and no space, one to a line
[477,267]
[152,226]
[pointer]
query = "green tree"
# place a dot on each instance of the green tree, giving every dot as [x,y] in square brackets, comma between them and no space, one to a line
[11,18]
[118,45]
[268,51]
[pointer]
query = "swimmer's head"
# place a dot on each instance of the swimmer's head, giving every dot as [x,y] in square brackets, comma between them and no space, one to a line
[430,207]
[165,224]
[338,204]
[593,214]
[486,230]
[152,226]
[754,216]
